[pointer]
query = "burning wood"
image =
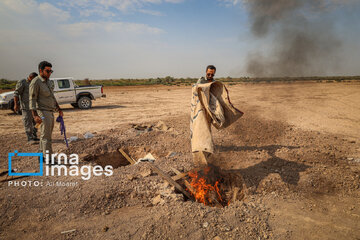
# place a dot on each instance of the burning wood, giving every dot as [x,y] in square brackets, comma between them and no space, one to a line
[169,179]
[215,187]
[210,185]
[205,186]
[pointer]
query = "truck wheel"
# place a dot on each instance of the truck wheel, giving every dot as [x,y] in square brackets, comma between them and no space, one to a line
[75,105]
[84,102]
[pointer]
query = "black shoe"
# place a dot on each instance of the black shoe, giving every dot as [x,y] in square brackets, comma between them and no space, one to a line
[35,139]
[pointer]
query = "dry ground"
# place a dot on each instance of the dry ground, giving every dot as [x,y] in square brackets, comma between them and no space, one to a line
[297,148]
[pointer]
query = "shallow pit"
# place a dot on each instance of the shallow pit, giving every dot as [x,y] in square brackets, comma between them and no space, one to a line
[230,186]
[115,159]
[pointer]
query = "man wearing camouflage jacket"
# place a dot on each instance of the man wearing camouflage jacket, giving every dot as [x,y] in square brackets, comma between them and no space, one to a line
[21,100]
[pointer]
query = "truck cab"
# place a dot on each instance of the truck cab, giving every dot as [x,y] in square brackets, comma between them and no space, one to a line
[67,92]
[64,90]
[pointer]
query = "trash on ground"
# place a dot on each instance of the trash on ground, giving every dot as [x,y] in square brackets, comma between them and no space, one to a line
[88,135]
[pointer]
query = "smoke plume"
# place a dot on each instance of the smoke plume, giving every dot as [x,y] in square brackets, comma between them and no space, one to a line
[303,40]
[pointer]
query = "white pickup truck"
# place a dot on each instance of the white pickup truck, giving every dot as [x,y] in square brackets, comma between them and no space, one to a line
[66,92]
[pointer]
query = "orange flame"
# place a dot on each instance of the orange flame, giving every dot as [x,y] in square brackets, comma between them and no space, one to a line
[203,190]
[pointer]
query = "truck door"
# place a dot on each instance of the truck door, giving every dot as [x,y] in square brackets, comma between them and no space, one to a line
[64,91]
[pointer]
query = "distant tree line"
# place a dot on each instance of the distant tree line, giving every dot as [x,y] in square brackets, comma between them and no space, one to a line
[169,81]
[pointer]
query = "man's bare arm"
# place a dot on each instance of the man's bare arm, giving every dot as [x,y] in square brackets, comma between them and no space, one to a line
[16,100]
[34,113]
[16,103]
[58,109]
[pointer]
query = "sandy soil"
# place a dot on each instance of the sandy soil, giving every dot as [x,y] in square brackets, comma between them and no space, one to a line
[297,148]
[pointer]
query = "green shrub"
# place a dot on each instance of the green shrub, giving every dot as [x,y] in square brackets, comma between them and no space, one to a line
[6,84]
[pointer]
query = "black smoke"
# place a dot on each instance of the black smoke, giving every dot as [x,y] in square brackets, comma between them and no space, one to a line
[300,35]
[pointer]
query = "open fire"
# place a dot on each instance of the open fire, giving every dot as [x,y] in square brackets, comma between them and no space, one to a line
[210,186]
[206,186]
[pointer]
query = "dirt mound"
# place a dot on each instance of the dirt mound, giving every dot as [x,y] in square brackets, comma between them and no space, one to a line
[293,177]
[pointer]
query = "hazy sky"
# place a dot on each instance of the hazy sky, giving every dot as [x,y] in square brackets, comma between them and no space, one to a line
[101,39]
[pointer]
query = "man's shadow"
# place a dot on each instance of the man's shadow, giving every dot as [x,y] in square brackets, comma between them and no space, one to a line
[289,171]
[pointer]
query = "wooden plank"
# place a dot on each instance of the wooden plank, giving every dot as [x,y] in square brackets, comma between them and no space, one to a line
[3,171]
[175,171]
[68,231]
[235,193]
[180,174]
[191,189]
[131,161]
[169,180]
[6,177]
